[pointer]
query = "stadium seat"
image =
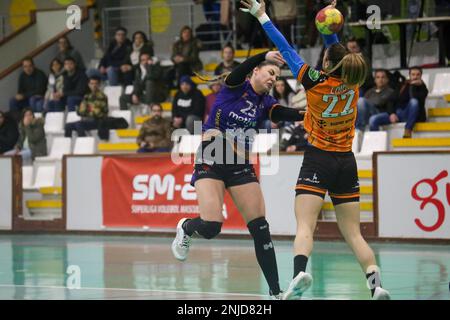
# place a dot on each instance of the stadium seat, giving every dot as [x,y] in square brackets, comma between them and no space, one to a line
[84,145]
[356,140]
[373,141]
[129,90]
[27,177]
[54,123]
[72,117]
[113,93]
[45,177]
[264,142]
[126,114]
[440,86]
[60,147]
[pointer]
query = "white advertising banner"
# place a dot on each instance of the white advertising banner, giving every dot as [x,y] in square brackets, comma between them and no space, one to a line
[6,193]
[414,195]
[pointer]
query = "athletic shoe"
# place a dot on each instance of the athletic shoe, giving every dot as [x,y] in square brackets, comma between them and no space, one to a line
[381,294]
[278,296]
[298,286]
[181,243]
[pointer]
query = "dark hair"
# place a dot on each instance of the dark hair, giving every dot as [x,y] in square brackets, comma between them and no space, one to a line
[286,92]
[70,59]
[95,78]
[416,68]
[25,110]
[144,53]
[121,29]
[69,44]
[55,60]
[156,104]
[142,34]
[184,28]
[386,73]
[30,59]
[228,45]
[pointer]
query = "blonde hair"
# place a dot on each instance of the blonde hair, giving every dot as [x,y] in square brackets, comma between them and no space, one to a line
[350,67]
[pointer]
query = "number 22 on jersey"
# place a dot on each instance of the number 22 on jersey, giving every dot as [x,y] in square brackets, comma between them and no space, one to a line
[333,99]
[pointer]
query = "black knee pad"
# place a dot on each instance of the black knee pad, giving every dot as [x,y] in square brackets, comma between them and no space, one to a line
[209,229]
[259,229]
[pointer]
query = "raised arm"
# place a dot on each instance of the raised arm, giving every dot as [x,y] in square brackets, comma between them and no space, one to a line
[294,61]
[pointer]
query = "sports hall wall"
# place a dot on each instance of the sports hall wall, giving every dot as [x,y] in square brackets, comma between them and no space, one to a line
[410,202]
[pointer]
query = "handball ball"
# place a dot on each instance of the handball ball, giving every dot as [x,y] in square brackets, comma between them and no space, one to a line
[329,20]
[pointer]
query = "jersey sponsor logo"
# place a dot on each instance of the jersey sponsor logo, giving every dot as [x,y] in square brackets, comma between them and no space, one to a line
[313,74]
[146,187]
[246,121]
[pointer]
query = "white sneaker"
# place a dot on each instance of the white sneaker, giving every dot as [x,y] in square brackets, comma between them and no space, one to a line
[181,243]
[298,286]
[276,296]
[381,294]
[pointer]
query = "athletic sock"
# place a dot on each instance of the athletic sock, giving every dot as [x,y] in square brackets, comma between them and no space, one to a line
[191,225]
[265,253]
[300,262]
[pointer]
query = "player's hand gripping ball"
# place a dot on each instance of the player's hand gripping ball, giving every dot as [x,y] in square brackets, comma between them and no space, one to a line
[329,20]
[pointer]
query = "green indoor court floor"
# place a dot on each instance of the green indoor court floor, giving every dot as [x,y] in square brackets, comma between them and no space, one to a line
[140,267]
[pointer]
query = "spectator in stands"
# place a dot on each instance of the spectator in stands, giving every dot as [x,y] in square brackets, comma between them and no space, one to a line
[65,50]
[74,88]
[228,63]
[376,100]
[188,105]
[185,53]
[32,142]
[9,132]
[211,98]
[55,83]
[140,44]
[410,107]
[115,56]
[31,89]
[294,138]
[147,86]
[285,16]
[354,47]
[155,134]
[92,110]
[284,94]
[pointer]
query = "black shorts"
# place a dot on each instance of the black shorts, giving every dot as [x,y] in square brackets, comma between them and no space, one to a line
[238,172]
[231,174]
[335,172]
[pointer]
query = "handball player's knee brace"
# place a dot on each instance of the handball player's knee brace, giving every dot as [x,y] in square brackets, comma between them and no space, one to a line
[209,229]
[265,252]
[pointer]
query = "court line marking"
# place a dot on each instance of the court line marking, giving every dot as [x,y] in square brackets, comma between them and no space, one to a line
[156,291]
[136,290]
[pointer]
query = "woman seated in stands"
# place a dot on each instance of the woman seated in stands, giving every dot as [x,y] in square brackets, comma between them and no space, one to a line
[55,83]
[32,142]
[65,50]
[140,45]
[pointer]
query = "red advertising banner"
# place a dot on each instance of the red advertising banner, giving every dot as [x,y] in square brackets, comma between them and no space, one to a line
[153,192]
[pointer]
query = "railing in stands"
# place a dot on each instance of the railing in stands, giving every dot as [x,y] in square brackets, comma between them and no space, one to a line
[160,16]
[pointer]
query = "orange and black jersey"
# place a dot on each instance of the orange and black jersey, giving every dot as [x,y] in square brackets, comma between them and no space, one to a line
[331,110]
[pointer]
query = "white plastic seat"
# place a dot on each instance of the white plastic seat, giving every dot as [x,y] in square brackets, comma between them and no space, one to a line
[129,90]
[264,142]
[60,147]
[440,85]
[72,117]
[84,145]
[54,122]
[356,139]
[45,177]
[27,177]
[126,114]
[113,93]
[374,141]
